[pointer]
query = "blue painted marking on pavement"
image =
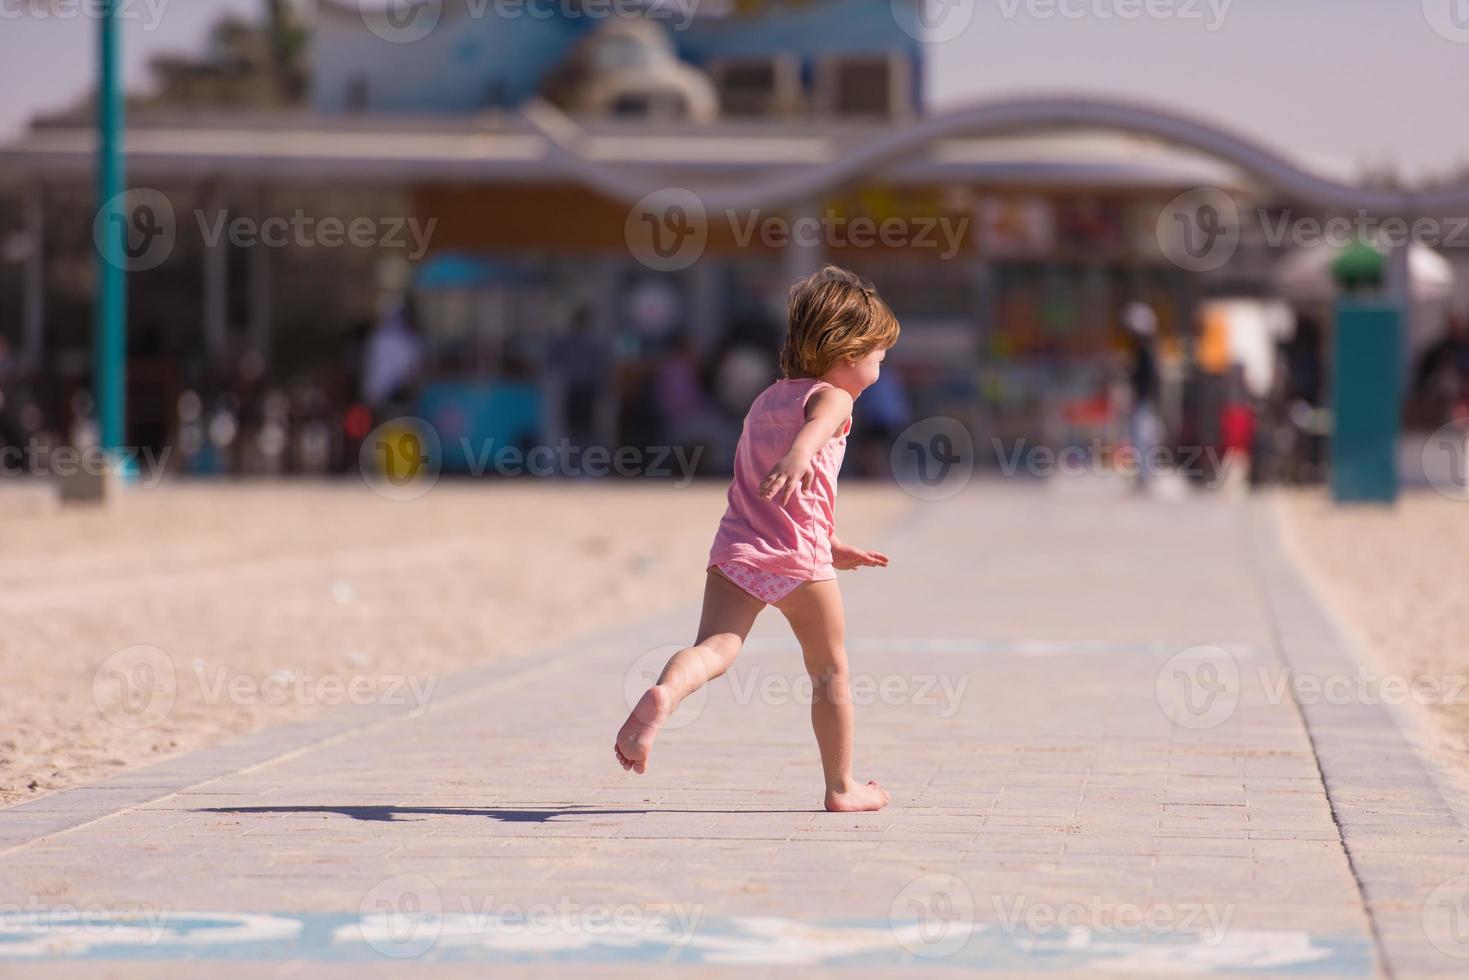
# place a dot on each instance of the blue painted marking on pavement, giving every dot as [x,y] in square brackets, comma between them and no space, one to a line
[668,939]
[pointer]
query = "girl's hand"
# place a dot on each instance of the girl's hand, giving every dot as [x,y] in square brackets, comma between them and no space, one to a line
[785,476]
[845,557]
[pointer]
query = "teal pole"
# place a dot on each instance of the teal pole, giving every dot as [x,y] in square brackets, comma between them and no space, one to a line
[109,326]
[1367,403]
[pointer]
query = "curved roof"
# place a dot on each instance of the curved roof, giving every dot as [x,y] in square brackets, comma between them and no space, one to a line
[1022,115]
[736,165]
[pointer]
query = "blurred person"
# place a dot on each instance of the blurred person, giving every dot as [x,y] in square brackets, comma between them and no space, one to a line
[1443,369]
[580,362]
[745,363]
[355,417]
[1145,425]
[690,419]
[1305,391]
[354,356]
[741,372]
[14,436]
[884,414]
[83,431]
[1237,426]
[310,431]
[776,544]
[392,357]
[679,390]
[640,422]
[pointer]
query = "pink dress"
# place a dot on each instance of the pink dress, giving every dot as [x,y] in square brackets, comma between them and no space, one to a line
[767,548]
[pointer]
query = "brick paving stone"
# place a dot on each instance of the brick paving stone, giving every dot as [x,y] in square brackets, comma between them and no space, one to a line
[1056,782]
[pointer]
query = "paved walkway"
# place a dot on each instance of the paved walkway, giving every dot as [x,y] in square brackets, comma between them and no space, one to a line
[1075,698]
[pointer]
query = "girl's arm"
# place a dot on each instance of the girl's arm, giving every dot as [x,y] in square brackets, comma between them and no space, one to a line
[826,413]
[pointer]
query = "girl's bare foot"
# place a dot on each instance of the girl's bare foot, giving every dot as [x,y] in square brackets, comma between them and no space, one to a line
[635,740]
[856,797]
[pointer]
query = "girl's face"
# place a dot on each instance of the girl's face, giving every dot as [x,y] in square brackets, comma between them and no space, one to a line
[856,376]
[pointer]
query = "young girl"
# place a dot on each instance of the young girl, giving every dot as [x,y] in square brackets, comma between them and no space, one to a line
[776,544]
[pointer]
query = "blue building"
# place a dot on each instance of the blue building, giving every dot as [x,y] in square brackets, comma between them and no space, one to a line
[822,57]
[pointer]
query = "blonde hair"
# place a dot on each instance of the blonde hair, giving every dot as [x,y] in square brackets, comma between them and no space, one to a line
[833,314]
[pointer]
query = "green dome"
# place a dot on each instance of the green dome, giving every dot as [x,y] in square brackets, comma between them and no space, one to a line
[1359,265]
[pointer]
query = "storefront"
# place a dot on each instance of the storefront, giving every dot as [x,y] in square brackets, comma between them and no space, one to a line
[1008,237]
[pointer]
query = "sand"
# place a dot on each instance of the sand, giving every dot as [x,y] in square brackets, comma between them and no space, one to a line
[260,594]
[1398,579]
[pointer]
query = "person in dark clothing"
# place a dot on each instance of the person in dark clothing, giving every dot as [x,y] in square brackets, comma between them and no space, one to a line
[1144,373]
[1145,426]
[1443,369]
[14,439]
[1305,392]
[1303,362]
[582,362]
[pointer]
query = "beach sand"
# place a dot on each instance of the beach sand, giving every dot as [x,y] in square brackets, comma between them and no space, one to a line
[257,593]
[1398,579]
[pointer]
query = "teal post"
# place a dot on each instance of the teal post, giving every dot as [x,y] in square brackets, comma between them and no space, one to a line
[1366,402]
[109,323]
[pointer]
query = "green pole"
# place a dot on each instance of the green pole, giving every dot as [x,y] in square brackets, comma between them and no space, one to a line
[109,349]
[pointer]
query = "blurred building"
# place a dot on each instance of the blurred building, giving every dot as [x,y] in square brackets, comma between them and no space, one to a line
[791,60]
[503,166]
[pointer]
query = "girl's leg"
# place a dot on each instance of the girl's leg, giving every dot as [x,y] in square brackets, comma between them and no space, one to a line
[729,612]
[815,613]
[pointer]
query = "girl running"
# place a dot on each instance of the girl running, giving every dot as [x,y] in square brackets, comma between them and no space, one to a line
[776,544]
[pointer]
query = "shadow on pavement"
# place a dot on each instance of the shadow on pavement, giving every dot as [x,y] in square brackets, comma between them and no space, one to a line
[392,813]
